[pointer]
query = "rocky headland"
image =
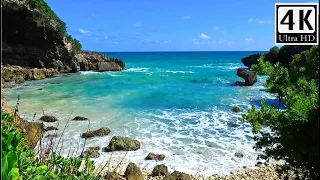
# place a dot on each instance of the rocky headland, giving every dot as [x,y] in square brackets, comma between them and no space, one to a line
[36,45]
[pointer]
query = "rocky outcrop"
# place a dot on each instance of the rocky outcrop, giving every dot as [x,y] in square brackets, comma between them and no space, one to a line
[160,170]
[98,62]
[133,172]
[250,60]
[249,77]
[119,143]
[153,156]
[19,75]
[34,37]
[99,132]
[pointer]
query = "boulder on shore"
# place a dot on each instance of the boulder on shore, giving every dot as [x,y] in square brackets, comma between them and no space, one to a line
[133,172]
[119,143]
[160,170]
[153,156]
[48,118]
[91,153]
[249,77]
[177,175]
[100,132]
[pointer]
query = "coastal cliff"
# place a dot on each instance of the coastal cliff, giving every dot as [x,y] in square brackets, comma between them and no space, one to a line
[36,45]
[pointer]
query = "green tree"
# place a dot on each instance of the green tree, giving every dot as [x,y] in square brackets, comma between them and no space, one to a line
[293,133]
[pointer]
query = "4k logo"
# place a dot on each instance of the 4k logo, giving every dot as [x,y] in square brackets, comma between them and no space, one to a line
[297,24]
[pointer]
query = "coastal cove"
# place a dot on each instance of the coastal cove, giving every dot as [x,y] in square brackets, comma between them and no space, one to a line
[175,103]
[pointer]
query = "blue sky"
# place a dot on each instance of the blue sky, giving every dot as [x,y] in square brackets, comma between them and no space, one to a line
[169,25]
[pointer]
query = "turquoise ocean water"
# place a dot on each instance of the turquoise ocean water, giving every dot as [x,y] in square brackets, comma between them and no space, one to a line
[175,103]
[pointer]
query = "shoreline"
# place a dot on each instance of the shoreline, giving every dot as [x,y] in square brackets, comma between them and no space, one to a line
[123,168]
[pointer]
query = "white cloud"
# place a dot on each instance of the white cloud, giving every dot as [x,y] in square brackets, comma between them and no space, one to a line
[259,21]
[167,41]
[186,17]
[204,36]
[265,22]
[215,28]
[83,31]
[137,24]
[248,39]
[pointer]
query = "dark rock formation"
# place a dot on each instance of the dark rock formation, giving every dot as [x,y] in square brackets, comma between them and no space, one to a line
[119,143]
[79,118]
[236,109]
[98,62]
[38,39]
[283,55]
[250,60]
[176,175]
[153,156]
[160,170]
[51,128]
[238,155]
[100,132]
[133,172]
[249,76]
[47,118]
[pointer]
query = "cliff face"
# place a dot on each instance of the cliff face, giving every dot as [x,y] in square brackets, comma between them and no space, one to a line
[34,37]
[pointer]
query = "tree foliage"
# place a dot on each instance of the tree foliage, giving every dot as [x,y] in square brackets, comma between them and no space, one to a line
[263,67]
[293,134]
[47,15]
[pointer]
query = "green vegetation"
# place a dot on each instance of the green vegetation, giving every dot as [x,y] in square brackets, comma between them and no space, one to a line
[19,162]
[293,134]
[47,16]
[263,67]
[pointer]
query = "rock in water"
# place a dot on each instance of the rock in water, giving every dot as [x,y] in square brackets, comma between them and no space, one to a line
[153,156]
[79,118]
[133,172]
[249,76]
[51,128]
[100,132]
[236,109]
[238,155]
[160,170]
[47,118]
[119,143]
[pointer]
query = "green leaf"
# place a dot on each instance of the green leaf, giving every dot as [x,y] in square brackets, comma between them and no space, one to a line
[14,173]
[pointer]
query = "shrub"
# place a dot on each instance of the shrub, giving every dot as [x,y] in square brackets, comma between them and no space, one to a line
[293,134]
[19,162]
[263,67]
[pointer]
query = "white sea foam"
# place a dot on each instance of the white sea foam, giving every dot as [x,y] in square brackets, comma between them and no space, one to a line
[137,69]
[182,72]
[88,72]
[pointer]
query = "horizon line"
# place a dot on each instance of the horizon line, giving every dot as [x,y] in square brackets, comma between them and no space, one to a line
[176,51]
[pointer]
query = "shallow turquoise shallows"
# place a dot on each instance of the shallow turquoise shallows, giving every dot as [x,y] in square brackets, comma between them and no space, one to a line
[175,103]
